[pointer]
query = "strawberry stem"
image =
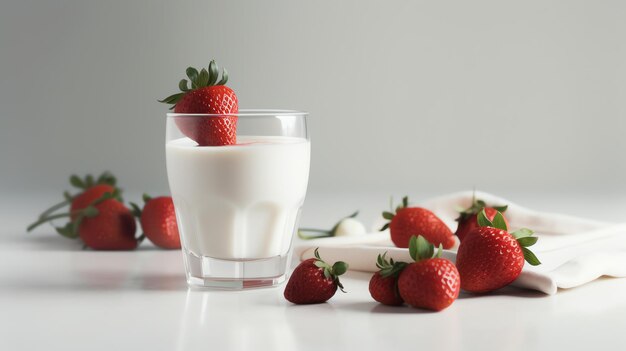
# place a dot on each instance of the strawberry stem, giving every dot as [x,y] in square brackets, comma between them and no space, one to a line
[54,208]
[135,209]
[314,230]
[43,220]
[301,235]
[325,233]
[89,211]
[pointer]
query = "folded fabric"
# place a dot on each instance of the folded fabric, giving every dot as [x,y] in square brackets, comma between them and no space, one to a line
[573,251]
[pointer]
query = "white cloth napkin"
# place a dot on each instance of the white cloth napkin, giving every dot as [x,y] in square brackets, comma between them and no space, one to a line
[573,251]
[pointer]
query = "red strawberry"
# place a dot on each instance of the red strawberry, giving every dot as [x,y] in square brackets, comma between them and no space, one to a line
[158,221]
[87,197]
[384,283]
[206,96]
[490,258]
[410,221]
[91,188]
[110,227]
[314,281]
[468,218]
[97,215]
[430,283]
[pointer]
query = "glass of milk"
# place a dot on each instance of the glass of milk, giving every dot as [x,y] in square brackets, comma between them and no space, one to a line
[237,206]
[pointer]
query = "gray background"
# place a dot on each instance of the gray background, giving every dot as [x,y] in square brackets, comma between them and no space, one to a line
[404,95]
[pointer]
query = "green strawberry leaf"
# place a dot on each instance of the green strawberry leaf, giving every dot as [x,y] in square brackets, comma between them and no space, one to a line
[320,264]
[405,202]
[439,251]
[420,248]
[224,77]
[530,257]
[89,181]
[483,220]
[384,227]
[192,73]
[501,208]
[389,268]
[380,261]
[339,268]
[413,248]
[67,231]
[203,78]
[522,233]
[136,210]
[182,85]
[107,178]
[172,99]
[213,73]
[424,248]
[527,241]
[90,212]
[339,285]
[77,182]
[499,222]
[388,215]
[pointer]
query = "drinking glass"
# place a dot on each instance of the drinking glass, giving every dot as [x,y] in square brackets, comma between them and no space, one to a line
[237,206]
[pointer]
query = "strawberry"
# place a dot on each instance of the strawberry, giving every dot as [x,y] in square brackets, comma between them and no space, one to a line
[108,225]
[158,221]
[206,96]
[468,218]
[490,258]
[384,283]
[314,281]
[430,283]
[96,215]
[409,221]
[87,197]
[91,189]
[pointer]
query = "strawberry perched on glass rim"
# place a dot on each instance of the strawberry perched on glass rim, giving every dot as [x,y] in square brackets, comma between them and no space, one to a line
[206,96]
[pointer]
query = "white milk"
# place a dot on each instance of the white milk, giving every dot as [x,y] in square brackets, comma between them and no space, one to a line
[238,201]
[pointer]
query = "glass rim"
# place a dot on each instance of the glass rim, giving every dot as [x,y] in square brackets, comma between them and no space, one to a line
[245,113]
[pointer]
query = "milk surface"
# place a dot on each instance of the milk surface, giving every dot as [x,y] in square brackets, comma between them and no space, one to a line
[238,201]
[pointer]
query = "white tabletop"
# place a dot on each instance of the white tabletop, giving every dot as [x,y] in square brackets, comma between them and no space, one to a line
[53,295]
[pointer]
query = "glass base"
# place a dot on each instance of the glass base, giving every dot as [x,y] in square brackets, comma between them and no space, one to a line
[209,272]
